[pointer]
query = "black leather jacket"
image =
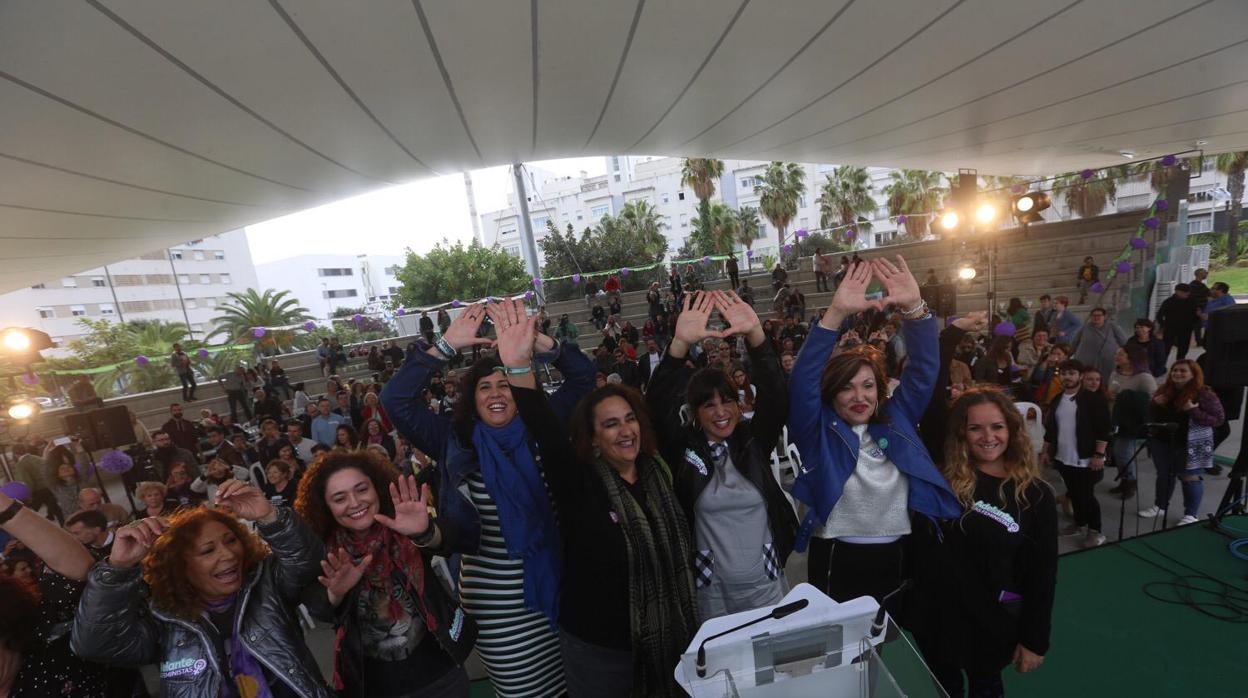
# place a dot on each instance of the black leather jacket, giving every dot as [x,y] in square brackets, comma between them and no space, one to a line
[115,625]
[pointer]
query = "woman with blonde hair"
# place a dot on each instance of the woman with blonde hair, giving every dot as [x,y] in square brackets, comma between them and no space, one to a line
[997,564]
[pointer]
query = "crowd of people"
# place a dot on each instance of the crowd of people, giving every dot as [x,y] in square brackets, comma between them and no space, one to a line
[577,536]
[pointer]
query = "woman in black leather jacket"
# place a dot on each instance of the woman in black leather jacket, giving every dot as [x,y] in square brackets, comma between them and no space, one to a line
[221,615]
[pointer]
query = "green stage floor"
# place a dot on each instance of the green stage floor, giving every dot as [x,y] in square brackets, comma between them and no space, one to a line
[1111,639]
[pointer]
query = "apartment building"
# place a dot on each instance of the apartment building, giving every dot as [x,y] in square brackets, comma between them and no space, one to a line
[322,283]
[183,284]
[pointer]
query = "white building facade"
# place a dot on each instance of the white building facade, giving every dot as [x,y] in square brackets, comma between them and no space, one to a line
[182,284]
[323,283]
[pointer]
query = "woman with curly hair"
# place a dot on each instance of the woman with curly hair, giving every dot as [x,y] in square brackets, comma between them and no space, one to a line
[992,594]
[345,438]
[493,506]
[218,614]
[1183,452]
[397,631]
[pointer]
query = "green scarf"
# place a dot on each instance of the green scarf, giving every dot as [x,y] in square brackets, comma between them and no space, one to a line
[660,580]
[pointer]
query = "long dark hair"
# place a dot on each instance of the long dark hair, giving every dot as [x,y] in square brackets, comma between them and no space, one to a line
[464,417]
[583,420]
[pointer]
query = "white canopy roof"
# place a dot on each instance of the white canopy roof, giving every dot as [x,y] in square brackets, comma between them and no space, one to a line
[129,125]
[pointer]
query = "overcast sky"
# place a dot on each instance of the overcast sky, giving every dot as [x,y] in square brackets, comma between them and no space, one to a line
[416,215]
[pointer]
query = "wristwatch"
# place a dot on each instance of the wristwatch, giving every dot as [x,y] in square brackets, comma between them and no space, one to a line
[10,511]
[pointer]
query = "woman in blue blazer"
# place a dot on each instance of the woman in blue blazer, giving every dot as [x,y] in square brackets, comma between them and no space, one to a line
[866,475]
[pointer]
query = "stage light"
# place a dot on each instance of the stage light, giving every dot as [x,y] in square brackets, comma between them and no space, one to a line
[949,219]
[22,409]
[1027,207]
[985,213]
[966,272]
[15,340]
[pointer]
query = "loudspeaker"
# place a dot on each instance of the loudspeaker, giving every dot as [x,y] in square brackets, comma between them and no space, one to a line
[941,298]
[108,427]
[1226,343]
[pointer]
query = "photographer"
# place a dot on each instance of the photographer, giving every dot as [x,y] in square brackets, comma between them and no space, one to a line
[1184,448]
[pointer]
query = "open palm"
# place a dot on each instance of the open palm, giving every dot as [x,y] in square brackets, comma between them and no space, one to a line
[903,289]
[462,331]
[411,515]
[851,296]
[696,313]
[516,331]
[740,317]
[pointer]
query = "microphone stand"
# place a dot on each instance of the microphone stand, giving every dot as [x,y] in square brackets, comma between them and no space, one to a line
[1122,509]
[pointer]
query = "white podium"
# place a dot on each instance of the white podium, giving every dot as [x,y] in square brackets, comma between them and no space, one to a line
[825,649]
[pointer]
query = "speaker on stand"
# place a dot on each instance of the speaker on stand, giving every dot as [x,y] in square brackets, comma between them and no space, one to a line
[104,428]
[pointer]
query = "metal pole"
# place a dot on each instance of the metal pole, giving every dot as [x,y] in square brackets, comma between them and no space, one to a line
[121,317]
[190,333]
[528,248]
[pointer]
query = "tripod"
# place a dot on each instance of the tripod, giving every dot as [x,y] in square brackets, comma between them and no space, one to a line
[1123,468]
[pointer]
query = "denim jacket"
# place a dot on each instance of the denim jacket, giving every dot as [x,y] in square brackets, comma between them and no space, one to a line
[829,447]
[458,519]
[115,626]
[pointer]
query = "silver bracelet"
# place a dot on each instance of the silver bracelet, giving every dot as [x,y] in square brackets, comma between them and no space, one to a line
[915,313]
[444,347]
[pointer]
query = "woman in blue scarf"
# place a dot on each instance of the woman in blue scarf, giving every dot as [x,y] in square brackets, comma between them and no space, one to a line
[504,526]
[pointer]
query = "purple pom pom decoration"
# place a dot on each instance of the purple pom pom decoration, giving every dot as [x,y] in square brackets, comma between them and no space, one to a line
[849,234]
[528,295]
[30,379]
[788,247]
[1086,174]
[455,303]
[625,271]
[357,318]
[1097,287]
[901,220]
[141,360]
[706,259]
[203,353]
[1004,329]
[1138,243]
[309,325]
[116,462]
[1123,267]
[17,490]
[258,332]
[1161,205]
[1169,161]
[576,278]
[802,233]
[400,312]
[537,283]
[749,253]
[1152,222]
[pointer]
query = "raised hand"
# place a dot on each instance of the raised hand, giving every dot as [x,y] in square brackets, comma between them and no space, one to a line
[903,289]
[246,501]
[850,297]
[411,515]
[516,332]
[133,541]
[462,332]
[976,321]
[341,574]
[740,317]
[691,323]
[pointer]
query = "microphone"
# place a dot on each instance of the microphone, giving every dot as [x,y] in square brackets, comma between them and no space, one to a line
[775,614]
[877,625]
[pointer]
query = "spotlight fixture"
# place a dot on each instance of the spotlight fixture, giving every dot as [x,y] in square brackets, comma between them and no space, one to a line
[21,345]
[15,340]
[985,213]
[1027,207]
[949,219]
[22,409]
[966,272]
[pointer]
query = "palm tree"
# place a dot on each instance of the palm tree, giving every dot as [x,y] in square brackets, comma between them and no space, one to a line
[701,174]
[154,340]
[723,227]
[1158,175]
[782,186]
[644,224]
[747,231]
[846,197]
[244,312]
[1233,164]
[1088,197]
[914,193]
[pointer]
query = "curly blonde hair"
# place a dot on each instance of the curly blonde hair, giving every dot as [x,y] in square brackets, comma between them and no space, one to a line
[165,568]
[1021,468]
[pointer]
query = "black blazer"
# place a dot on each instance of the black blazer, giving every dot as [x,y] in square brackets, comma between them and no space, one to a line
[1092,421]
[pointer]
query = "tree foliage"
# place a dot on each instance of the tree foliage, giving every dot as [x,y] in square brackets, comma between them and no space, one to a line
[845,199]
[914,193]
[1233,164]
[782,186]
[1089,196]
[243,312]
[700,175]
[449,272]
[632,239]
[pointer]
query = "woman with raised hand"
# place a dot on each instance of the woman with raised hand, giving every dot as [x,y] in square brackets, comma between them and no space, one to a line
[493,506]
[743,526]
[866,476]
[219,611]
[992,597]
[627,609]
[398,631]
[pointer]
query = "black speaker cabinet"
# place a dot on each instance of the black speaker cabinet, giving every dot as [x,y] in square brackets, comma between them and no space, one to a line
[108,427]
[941,298]
[1226,341]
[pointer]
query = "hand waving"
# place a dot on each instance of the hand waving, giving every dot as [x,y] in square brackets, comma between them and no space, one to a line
[133,540]
[341,574]
[740,317]
[462,331]
[516,332]
[903,290]
[411,515]
[696,312]
[246,501]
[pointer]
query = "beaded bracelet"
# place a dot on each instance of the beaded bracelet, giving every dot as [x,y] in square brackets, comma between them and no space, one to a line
[444,347]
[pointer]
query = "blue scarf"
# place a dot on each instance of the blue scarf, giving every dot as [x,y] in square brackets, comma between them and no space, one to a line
[524,511]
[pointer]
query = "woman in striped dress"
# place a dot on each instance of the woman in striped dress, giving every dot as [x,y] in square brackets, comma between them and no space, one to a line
[505,525]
